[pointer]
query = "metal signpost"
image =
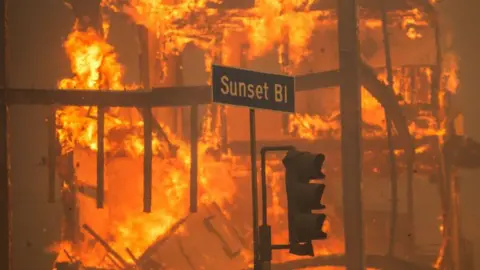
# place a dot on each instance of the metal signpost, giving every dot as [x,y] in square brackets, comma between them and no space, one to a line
[256,90]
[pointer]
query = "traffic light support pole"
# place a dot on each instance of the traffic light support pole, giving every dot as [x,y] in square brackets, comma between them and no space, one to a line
[263,156]
[265,233]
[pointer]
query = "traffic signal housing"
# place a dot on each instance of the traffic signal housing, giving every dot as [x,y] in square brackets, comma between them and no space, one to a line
[303,197]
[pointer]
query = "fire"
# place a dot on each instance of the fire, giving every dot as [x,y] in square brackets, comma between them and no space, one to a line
[283,24]
[93,61]
[314,126]
[95,67]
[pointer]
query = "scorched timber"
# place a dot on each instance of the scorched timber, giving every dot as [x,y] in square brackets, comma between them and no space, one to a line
[198,95]
[164,97]
[323,144]
[374,261]
[392,5]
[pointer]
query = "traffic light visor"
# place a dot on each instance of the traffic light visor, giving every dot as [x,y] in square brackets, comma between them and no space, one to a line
[307,165]
[309,227]
[308,196]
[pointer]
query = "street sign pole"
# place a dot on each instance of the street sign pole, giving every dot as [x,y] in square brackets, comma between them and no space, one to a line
[253,159]
[350,111]
[255,90]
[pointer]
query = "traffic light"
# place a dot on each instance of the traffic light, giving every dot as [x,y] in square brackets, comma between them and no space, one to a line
[303,197]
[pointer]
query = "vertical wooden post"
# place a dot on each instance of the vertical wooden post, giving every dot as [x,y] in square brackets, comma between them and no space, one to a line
[5,219]
[447,172]
[285,65]
[391,147]
[147,115]
[52,154]
[178,112]
[350,111]
[69,196]
[147,159]
[194,158]
[217,59]
[100,156]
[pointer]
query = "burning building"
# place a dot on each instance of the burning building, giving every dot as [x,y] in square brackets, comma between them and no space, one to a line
[168,188]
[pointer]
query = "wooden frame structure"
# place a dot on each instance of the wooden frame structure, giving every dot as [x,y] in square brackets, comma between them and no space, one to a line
[165,97]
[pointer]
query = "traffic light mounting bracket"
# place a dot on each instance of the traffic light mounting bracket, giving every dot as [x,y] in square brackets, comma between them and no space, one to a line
[265,234]
[264,230]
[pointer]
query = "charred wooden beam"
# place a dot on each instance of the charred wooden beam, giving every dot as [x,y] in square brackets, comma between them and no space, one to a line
[392,157]
[389,101]
[351,133]
[317,80]
[391,5]
[5,209]
[66,173]
[105,245]
[88,191]
[131,255]
[147,160]
[163,97]
[285,56]
[241,148]
[178,112]
[145,80]
[231,4]
[159,97]
[52,154]
[215,109]
[100,156]
[194,159]
[196,95]
[150,251]
[372,261]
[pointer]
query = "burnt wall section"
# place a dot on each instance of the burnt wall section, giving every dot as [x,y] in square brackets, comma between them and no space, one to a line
[462,17]
[37,59]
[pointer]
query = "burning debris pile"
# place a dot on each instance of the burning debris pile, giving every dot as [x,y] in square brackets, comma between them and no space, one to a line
[120,236]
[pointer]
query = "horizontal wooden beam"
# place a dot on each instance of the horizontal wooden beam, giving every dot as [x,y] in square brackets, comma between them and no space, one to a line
[324,145]
[158,97]
[391,5]
[373,261]
[172,96]
[372,5]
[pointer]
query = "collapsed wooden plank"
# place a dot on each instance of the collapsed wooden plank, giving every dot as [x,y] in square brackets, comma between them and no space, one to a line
[204,240]
[373,261]
[107,247]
